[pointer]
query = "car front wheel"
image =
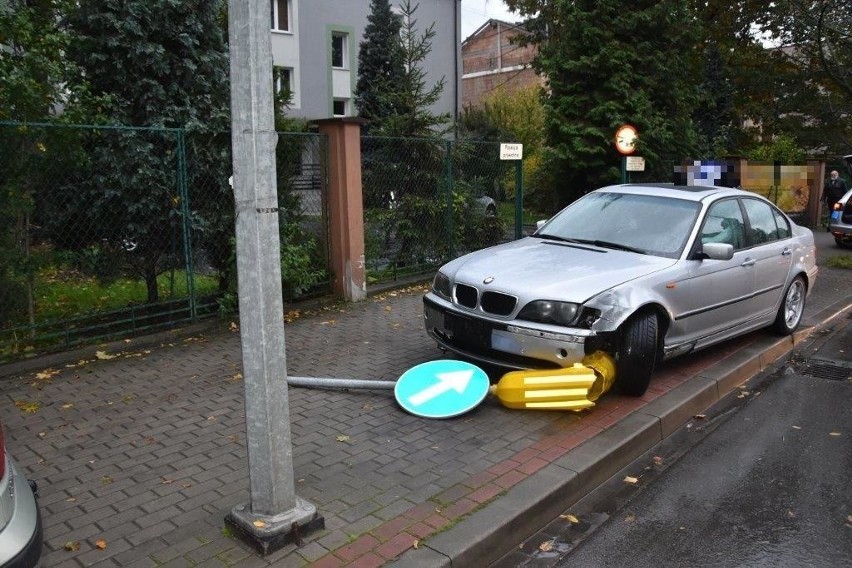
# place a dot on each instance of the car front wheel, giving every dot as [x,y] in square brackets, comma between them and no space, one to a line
[792,307]
[637,355]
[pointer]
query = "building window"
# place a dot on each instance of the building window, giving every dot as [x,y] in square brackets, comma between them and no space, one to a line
[282,80]
[338,107]
[281,15]
[338,50]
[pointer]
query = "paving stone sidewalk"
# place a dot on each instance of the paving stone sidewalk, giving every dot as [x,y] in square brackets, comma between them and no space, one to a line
[139,451]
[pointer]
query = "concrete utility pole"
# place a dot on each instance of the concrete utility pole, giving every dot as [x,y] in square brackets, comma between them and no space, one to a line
[275,516]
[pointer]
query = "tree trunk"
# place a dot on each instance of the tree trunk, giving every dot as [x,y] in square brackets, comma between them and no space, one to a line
[151,285]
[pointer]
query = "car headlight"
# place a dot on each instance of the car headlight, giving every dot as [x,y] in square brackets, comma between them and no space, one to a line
[441,286]
[559,313]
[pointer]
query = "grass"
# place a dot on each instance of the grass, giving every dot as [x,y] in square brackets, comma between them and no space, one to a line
[843,261]
[63,294]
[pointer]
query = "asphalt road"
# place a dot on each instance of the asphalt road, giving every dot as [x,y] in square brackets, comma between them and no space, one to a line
[769,487]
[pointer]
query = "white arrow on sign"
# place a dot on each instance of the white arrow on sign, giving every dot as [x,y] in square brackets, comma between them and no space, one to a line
[456,380]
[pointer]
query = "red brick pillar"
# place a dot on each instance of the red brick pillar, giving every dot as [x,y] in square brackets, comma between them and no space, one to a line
[345,207]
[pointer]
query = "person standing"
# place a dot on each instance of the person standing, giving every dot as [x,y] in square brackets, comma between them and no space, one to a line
[835,188]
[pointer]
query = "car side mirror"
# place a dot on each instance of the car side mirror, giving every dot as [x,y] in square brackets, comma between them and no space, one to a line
[539,224]
[716,251]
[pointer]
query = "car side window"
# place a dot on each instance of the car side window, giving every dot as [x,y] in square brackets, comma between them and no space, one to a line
[762,226]
[782,225]
[724,224]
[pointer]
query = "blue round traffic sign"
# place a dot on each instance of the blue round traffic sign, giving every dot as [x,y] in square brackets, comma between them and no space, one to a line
[441,389]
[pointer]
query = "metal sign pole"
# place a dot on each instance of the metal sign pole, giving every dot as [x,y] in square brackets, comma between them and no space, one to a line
[275,516]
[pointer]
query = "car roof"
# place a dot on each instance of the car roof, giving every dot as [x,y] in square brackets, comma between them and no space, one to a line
[687,192]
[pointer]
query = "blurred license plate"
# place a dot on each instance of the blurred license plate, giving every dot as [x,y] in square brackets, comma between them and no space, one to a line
[468,330]
[835,215]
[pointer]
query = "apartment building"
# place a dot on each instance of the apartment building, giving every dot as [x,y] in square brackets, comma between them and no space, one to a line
[315,52]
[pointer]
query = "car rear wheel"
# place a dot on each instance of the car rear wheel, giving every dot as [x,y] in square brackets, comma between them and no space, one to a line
[792,307]
[637,355]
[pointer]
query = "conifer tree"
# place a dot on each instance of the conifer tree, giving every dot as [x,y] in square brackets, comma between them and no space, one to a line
[380,67]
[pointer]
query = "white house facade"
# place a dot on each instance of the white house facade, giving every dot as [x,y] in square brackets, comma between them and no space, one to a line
[315,52]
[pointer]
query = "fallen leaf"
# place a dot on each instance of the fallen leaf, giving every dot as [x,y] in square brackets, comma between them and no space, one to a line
[415,544]
[167,481]
[700,416]
[233,326]
[26,406]
[343,438]
[71,546]
[233,437]
[42,434]
[849,519]
[834,433]
[103,356]
[658,460]
[106,480]
[259,524]
[570,518]
[101,544]
[127,341]
[546,546]
[630,518]
[631,480]
[46,374]
[791,514]
[69,405]
[72,499]
[186,485]
[211,418]
[388,309]
[797,427]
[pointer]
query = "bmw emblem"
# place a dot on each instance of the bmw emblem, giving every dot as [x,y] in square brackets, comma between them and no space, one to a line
[488,280]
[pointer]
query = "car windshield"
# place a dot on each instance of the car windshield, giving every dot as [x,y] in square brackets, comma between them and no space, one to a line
[647,224]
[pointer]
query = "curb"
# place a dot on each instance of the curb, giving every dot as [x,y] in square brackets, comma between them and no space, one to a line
[489,533]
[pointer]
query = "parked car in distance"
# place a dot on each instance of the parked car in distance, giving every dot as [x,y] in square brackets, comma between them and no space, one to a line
[840,221]
[20,518]
[643,272]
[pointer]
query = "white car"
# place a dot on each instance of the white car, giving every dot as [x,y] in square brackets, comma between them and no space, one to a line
[20,518]
[840,221]
[642,272]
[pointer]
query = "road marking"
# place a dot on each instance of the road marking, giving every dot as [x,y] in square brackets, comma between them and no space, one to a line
[456,380]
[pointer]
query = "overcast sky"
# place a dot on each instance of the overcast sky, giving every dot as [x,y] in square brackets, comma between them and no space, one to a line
[474,13]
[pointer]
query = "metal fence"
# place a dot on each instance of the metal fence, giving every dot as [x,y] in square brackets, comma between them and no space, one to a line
[106,231]
[429,200]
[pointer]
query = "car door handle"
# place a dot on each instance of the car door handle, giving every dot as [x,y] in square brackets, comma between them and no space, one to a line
[786,252]
[748,262]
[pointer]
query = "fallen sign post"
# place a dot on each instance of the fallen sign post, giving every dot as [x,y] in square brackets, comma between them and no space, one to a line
[446,388]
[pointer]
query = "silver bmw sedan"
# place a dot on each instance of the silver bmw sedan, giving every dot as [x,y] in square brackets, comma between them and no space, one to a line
[642,272]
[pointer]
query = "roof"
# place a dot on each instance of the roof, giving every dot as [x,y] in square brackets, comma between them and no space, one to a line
[519,26]
[689,192]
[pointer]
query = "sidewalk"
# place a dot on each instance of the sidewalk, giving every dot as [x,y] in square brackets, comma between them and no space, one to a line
[142,448]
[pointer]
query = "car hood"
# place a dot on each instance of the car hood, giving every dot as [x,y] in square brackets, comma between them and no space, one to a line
[534,268]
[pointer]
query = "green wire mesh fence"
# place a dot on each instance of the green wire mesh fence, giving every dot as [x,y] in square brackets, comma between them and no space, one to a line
[110,231]
[429,200]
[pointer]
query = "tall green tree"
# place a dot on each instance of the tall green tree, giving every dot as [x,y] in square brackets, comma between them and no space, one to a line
[32,71]
[380,66]
[412,98]
[604,65]
[153,63]
[32,65]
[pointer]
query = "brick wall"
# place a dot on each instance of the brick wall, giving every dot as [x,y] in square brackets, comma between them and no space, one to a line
[490,60]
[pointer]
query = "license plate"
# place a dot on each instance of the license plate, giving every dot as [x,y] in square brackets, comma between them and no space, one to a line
[468,330]
[835,215]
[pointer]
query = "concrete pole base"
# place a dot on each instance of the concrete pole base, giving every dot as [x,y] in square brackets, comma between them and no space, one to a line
[269,533]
